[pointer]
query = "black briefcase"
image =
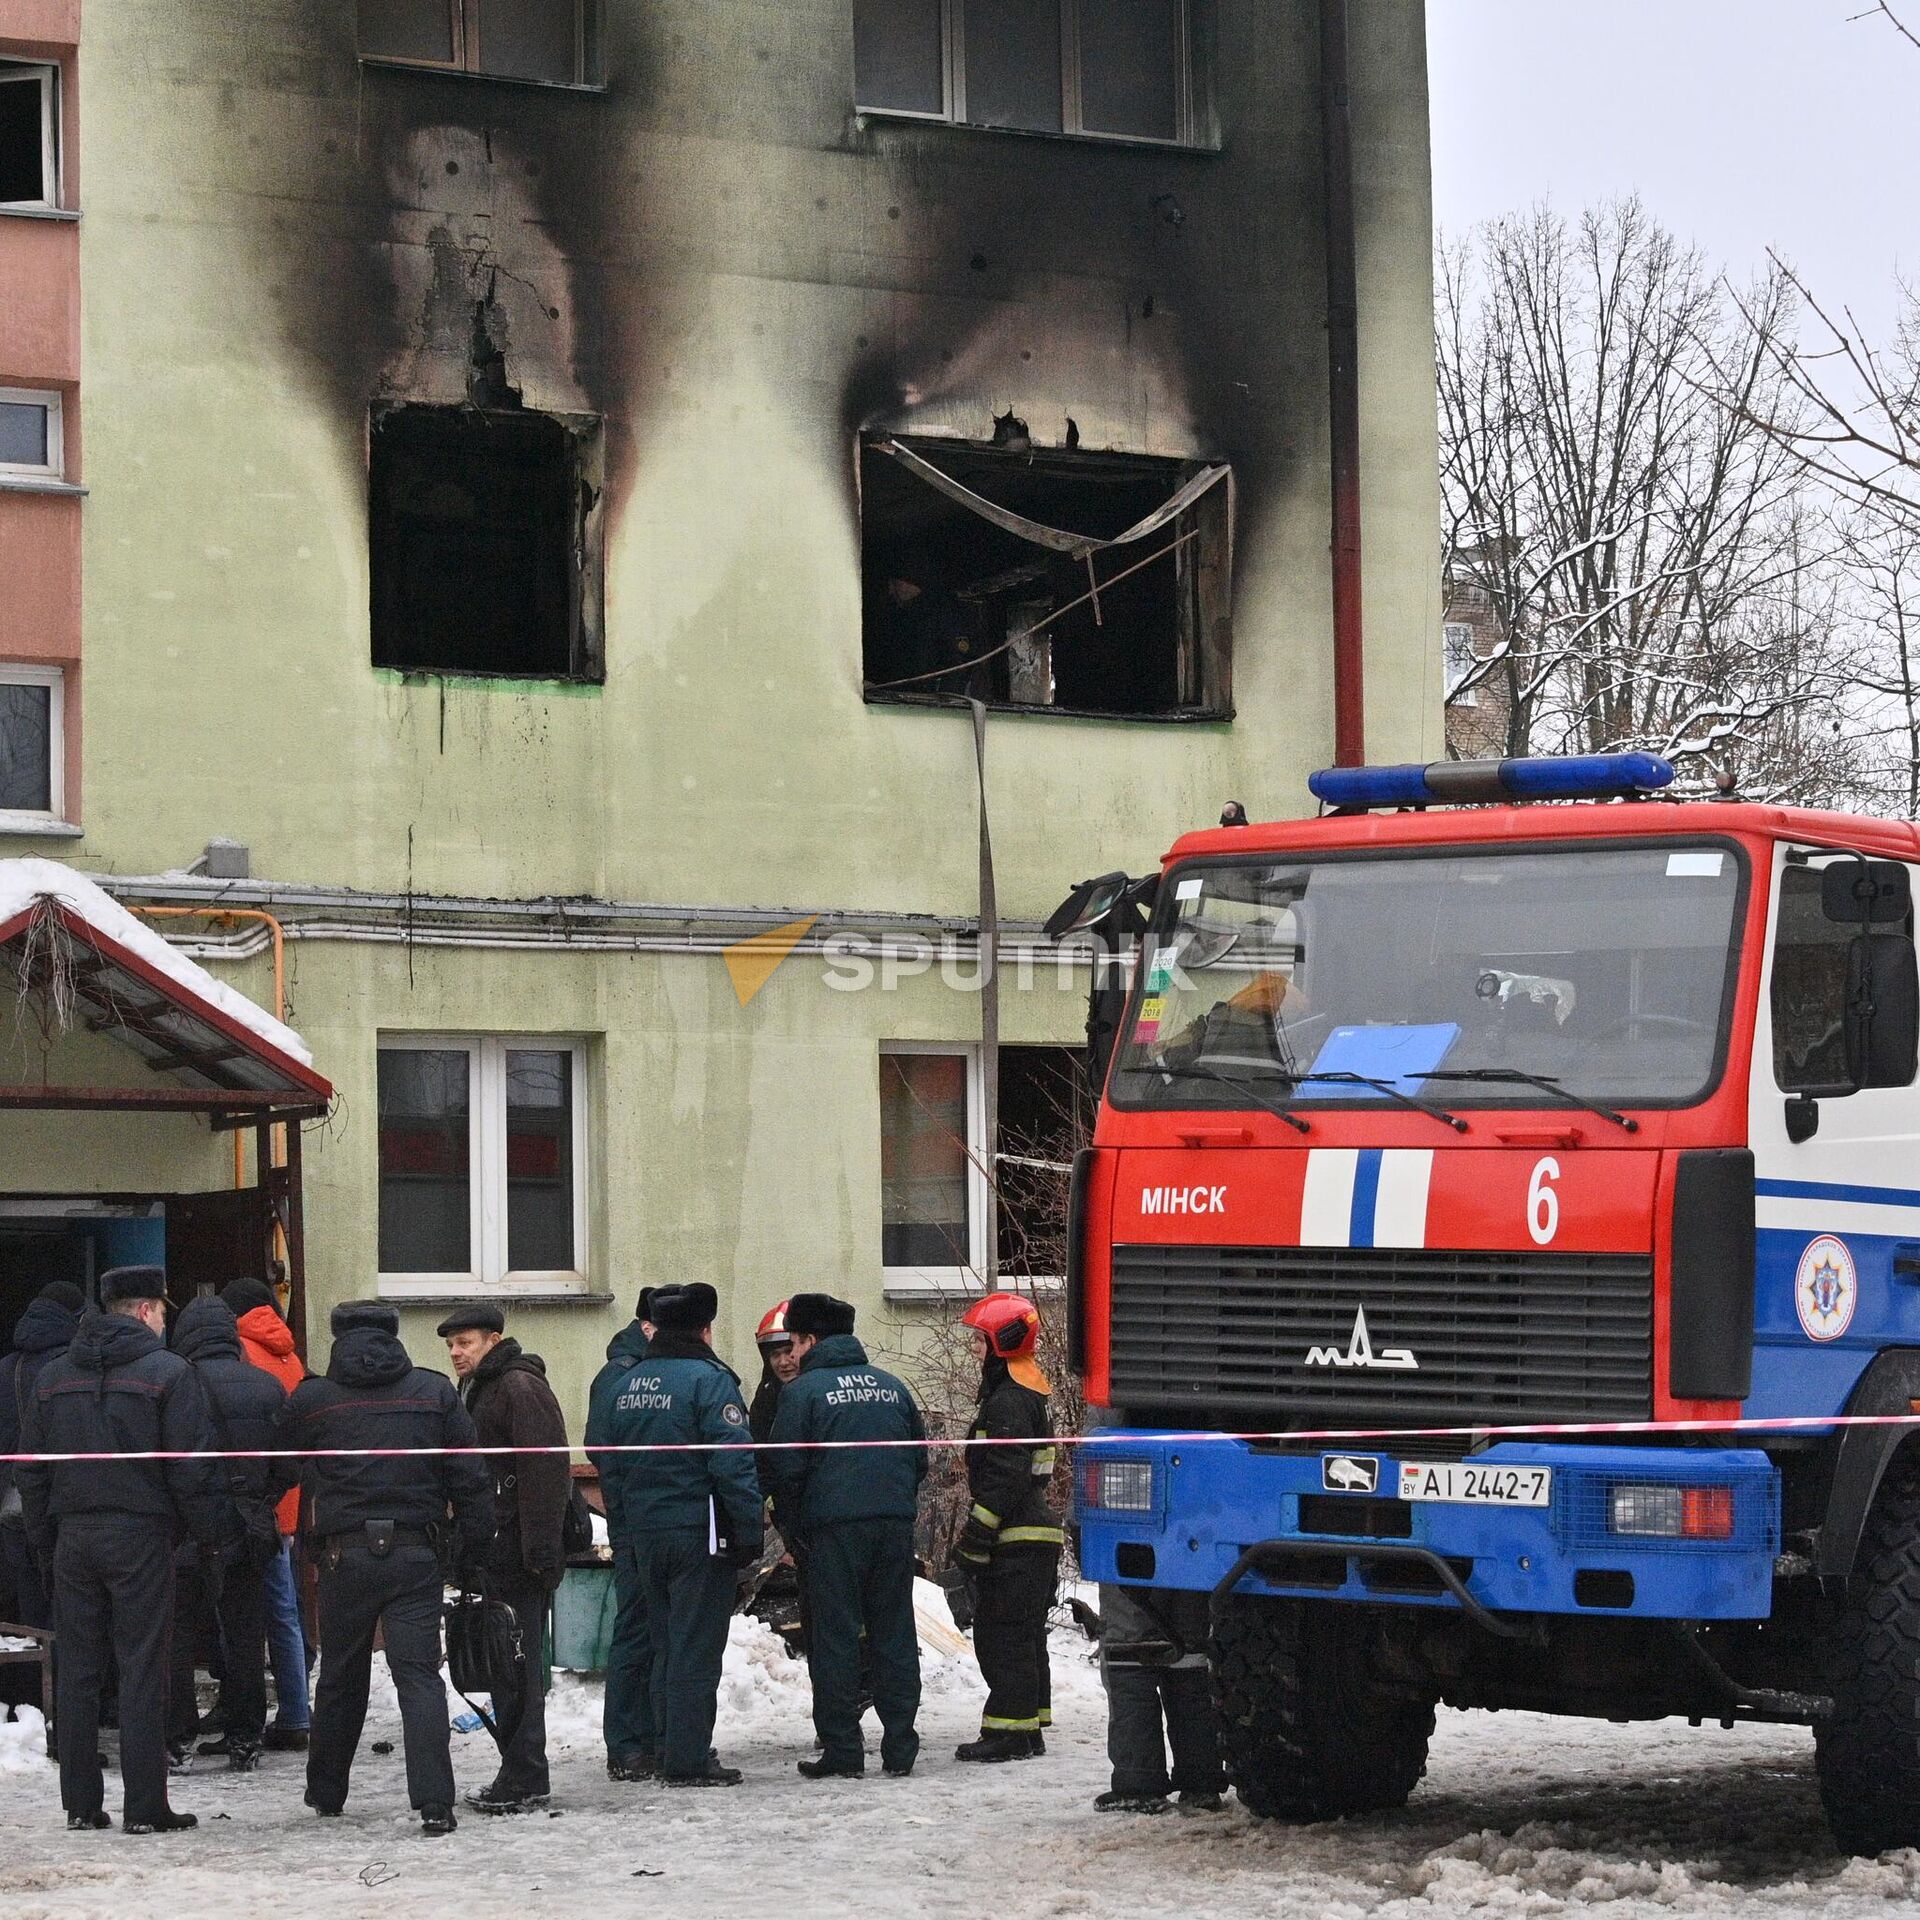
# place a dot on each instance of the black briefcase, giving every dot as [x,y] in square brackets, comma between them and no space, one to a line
[486,1653]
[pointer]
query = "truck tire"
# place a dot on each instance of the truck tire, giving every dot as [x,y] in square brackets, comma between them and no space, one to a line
[1308,1729]
[1868,1755]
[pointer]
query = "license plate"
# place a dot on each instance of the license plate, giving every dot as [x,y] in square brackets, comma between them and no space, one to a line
[1468,1484]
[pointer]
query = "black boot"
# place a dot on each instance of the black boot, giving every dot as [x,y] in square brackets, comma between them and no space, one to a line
[632,1766]
[997,1746]
[437,1820]
[243,1756]
[825,1769]
[1115,1801]
[169,1822]
[95,1822]
[715,1775]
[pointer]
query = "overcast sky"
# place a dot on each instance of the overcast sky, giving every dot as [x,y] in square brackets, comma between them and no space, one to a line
[1741,123]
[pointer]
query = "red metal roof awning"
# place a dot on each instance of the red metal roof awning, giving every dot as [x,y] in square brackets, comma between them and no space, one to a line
[87,963]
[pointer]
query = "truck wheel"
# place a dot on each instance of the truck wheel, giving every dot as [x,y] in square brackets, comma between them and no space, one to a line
[1308,1728]
[1868,1755]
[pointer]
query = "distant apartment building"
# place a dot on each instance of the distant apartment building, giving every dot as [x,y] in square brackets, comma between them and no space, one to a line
[520,495]
[1475,685]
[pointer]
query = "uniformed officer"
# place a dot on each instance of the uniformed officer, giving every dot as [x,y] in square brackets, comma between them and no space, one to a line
[1153,1658]
[628,1723]
[377,1526]
[695,1517]
[851,1514]
[1010,1546]
[108,1529]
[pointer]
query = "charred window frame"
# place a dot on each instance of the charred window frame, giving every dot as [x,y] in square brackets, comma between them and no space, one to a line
[550,43]
[485,542]
[1119,70]
[959,605]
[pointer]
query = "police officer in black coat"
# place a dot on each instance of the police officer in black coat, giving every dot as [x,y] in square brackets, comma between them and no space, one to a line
[851,1512]
[40,1335]
[108,1530]
[377,1527]
[230,1593]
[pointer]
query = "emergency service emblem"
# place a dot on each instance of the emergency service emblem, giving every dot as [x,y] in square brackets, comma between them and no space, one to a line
[732,1415]
[1826,1288]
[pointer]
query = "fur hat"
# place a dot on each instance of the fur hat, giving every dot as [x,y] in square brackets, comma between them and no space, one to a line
[355,1316]
[684,1309]
[132,1283]
[819,1314]
[247,1293]
[478,1316]
[63,1293]
[643,1307]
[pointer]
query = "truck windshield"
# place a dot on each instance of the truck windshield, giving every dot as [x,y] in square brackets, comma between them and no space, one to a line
[1604,969]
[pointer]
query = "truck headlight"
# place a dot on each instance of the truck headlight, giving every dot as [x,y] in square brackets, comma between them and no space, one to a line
[1673,1513]
[1122,1486]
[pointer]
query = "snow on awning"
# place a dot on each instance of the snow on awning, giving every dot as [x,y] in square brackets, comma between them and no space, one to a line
[88,961]
[1078,545]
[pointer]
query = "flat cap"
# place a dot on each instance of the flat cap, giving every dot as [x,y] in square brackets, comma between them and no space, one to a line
[477,1316]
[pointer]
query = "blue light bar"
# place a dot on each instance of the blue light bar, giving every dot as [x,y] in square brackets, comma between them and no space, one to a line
[1587,776]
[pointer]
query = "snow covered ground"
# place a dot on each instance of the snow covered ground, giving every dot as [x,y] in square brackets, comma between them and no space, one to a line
[1518,1816]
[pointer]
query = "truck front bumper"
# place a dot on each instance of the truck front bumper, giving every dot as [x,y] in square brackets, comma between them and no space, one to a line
[1182,1513]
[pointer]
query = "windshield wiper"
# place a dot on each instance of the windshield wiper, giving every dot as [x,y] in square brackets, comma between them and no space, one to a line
[1200,1069]
[1545,1082]
[1344,1078]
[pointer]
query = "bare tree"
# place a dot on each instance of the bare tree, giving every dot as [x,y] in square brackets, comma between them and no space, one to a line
[1646,547]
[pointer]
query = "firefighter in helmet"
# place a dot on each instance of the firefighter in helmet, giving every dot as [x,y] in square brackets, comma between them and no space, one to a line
[1009,1549]
[778,1364]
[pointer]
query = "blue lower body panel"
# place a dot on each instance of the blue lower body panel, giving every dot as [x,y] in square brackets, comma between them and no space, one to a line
[1208,1501]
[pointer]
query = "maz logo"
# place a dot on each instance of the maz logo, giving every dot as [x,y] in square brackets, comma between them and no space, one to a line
[1360,1352]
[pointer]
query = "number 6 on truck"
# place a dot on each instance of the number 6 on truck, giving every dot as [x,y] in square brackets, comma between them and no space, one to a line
[1543,1203]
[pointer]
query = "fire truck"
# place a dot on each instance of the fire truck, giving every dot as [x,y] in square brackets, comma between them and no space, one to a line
[1496,1270]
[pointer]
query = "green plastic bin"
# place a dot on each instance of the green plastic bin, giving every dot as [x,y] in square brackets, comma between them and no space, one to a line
[583,1615]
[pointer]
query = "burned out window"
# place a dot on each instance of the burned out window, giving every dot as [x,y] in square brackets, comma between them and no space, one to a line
[485,543]
[1055,581]
[554,42]
[1113,69]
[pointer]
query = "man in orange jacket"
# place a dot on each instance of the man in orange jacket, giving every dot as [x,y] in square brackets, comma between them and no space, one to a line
[267,1341]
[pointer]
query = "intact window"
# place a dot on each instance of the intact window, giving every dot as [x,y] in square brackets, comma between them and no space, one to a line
[1809,988]
[929,1131]
[991,572]
[1116,69]
[1462,656]
[32,725]
[30,434]
[29,134]
[485,543]
[481,1158]
[556,42]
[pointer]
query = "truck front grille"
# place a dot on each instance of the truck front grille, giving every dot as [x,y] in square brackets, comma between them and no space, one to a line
[1223,1335]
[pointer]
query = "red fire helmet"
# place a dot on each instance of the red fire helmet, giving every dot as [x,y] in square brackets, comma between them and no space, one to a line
[1010,1321]
[773,1327]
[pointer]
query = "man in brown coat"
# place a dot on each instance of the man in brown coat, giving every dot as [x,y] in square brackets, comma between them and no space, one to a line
[507,1394]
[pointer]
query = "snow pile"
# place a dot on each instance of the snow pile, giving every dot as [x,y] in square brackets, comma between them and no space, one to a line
[1490,1869]
[23,1742]
[22,882]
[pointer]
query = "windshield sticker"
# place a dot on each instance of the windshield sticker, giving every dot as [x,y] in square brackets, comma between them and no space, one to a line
[1189,889]
[1694,866]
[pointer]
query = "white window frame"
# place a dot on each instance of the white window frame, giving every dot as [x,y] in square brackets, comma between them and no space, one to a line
[1471,697]
[469,43]
[54,679]
[46,76]
[953,44]
[945,1282]
[487,1168]
[56,463]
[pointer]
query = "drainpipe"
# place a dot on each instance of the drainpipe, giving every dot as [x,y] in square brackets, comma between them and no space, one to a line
[1343,385]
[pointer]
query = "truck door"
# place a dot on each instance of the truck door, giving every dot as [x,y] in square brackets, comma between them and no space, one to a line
[1835,1130]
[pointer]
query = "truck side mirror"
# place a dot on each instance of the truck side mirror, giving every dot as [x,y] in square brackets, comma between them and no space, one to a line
[1865,892]
[1883,1010]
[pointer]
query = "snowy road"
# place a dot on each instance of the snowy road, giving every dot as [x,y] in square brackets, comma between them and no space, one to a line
[1517,1816]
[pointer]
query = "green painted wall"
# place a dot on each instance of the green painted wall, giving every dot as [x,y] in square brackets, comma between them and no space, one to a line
[718,259]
